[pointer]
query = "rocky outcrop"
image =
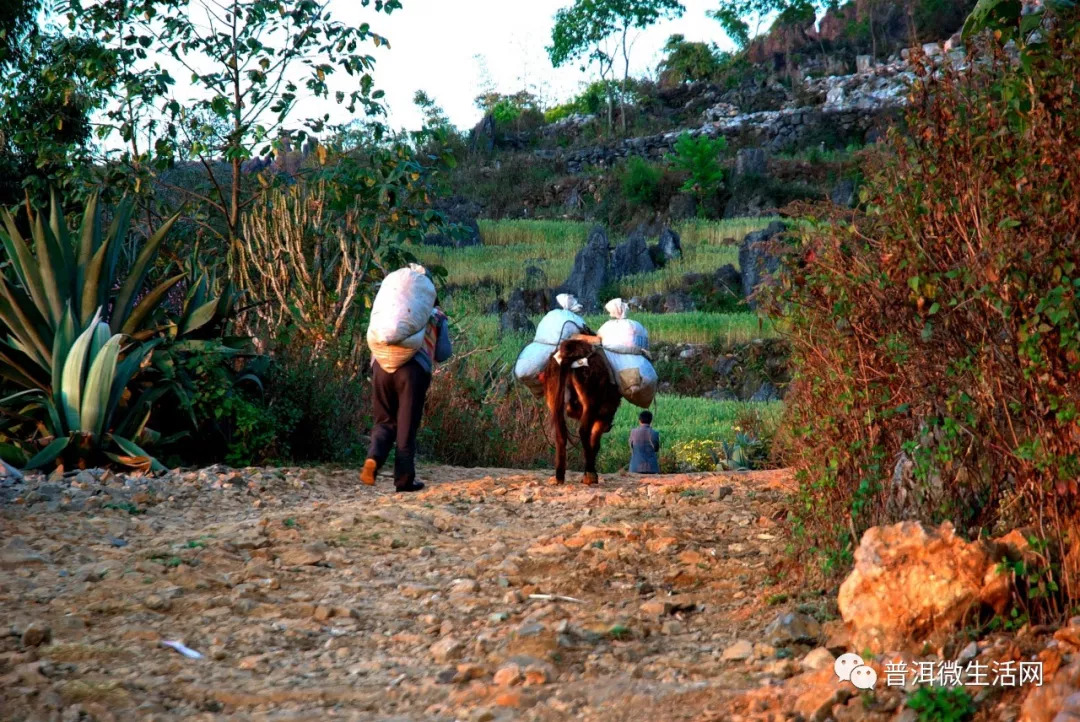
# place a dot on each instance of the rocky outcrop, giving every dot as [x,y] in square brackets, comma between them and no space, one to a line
[632,256]
[461,215]
[482,137]
[775,129]
[515,319]
[842,106]
[910,585]
[751,162]
[667,248]
[591,270]
[757,260]
[843,193]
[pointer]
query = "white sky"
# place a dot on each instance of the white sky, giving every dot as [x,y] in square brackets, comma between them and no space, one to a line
[433,44]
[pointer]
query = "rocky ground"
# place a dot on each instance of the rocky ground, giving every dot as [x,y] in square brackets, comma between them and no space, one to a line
[312,597]
[489,596]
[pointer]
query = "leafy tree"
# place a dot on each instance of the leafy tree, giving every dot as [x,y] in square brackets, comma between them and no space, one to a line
[434,116]
[733,15]
[51,86]
[515,109]
[249,62]
[688,62]
[16,21]
[596,30]
[700,159]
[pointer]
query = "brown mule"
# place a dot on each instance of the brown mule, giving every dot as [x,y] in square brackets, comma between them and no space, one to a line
[579,383]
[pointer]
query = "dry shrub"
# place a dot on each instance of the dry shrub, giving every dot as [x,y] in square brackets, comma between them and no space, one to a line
[936,335]
[476,416]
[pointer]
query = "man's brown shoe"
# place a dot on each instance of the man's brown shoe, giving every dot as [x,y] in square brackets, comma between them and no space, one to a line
[367,474]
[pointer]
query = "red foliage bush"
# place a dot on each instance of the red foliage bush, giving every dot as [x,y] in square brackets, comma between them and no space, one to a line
[936,333]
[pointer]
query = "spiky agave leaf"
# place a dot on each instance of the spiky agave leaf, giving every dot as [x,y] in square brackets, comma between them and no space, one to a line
[62,342]
[133,449]
[49,454]
[99,385]
[71,381]
[125,299]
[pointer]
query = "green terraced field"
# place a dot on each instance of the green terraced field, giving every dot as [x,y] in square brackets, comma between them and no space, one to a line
[510,246]
[698,327]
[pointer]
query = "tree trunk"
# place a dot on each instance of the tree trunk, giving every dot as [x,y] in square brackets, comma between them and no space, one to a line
[626,79]
[234,199]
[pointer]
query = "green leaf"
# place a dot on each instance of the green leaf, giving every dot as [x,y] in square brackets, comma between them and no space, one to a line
[990,14]
[54,271]
[25,322]
[99,383]
[62,341]
[149,303]
[49,454]
[71,386]
[25,265]
[126,371]
[132,448]
[126,297]
[199,317]
[89,242]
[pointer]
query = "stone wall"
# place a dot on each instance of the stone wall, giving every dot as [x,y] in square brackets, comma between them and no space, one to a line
[841,106]
[773,129]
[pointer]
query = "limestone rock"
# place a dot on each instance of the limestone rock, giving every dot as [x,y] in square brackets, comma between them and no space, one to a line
[751,162]
[843,194]
[446,649]
[819,658]
[17,553]
[36,634]
[739,651]
[910,583]
[793,628]
[669,245]
[756,260]
[631,256]
[306,556]
[683,206]
[766,392]
[1056,700]
[591,271]
[508,675]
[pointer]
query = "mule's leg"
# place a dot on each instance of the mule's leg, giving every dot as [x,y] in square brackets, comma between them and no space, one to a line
[596,433]
[588,445]
[560,454]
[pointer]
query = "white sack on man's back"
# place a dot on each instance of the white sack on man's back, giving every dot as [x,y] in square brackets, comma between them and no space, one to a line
[402,306]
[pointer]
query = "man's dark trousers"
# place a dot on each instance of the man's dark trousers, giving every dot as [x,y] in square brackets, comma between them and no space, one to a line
[398,400]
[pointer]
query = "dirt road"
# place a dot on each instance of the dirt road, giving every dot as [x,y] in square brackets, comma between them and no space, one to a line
[312,597]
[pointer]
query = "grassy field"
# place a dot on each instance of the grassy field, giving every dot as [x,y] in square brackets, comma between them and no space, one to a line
[511,246]
[680,420]
[698,327]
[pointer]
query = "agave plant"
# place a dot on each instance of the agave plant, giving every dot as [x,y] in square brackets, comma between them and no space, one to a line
[73,332]
[89,379]
[60,268]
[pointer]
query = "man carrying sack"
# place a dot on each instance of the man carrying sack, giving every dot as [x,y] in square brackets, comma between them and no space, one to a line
[407,335]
